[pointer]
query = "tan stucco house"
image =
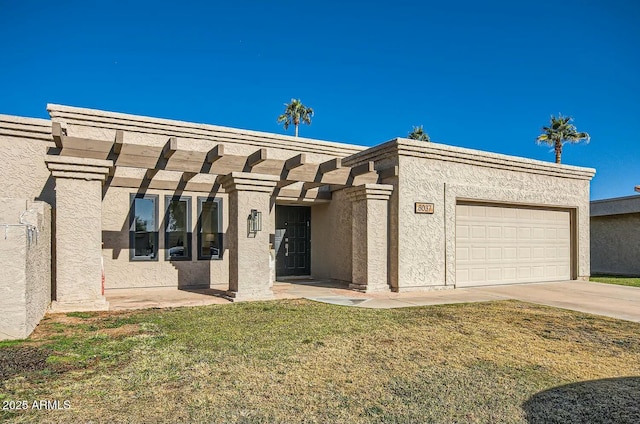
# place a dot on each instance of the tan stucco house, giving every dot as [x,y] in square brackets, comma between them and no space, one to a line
[178,204]
[615,236]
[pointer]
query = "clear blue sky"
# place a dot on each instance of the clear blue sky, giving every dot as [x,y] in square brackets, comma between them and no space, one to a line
[479,74]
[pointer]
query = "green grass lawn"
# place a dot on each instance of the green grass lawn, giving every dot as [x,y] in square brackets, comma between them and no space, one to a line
[611,279]
[299,361]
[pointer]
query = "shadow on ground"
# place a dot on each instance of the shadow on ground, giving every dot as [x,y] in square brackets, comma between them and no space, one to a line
[204,291]
[613,400]
[313,282]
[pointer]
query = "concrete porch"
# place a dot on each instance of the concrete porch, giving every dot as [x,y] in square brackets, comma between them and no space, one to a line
[171,297]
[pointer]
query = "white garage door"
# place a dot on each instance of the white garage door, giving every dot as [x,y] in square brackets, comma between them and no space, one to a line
[504,245]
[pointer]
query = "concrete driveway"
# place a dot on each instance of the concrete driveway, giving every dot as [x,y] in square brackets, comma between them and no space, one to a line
[610,300]
[601,299]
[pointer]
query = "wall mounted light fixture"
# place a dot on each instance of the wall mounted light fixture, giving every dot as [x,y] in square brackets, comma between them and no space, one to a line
[255,221]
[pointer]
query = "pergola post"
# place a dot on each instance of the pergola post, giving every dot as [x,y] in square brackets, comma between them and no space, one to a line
[78,232]
[249,274]
[370,232]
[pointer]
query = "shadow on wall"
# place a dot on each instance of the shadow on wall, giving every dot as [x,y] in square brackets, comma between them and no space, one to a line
[613,400]
[192,273]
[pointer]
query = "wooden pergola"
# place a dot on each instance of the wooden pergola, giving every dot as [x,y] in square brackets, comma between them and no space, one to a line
[175,165]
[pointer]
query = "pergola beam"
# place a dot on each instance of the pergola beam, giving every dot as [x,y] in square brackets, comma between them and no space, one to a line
[388,172]
[330,165]
[56,132]
[363,169]
[117,143]
[177,155]
[295,162]
[170,148]
[215,153]
[256,157]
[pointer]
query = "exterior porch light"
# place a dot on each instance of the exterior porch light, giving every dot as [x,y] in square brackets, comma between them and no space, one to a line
[255,221]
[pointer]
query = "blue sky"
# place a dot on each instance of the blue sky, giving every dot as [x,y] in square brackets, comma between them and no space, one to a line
[479,74]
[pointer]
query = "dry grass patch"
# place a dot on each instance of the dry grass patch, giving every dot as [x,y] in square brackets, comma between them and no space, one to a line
[299,361]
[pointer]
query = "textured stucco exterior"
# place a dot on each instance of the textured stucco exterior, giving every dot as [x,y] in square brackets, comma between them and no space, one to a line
[121,272]
[443,175]
[78,241]
[23,147]
[150,134]
[331,249]
[25,266]
[370,229]
[364,229]
[249,255]
[615,236]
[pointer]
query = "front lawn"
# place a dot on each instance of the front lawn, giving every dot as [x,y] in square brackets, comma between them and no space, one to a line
[612,279]
[299,361]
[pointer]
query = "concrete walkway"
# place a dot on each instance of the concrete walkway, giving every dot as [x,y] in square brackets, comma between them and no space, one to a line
[601,299]
[610,300]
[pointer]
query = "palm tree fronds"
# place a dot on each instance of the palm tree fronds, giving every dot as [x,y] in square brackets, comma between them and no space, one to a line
[295,113]
[561,131]
[418,134]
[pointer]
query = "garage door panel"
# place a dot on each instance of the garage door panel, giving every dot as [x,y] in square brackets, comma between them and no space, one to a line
[494,274]
[510,233]
[478,253]
[494,253]
[524,253]
[462,253]
[478,232]
[478,274]
[502,245]
[537,271]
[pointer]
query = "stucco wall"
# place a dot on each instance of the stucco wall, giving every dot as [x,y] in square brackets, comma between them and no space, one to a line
[615,244]
[427,242]
[25,266]
[422,246]
[121,272]
[331,238]
[23,146]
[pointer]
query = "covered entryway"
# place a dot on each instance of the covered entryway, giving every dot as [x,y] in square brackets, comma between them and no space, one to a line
[293,240]
[499,244]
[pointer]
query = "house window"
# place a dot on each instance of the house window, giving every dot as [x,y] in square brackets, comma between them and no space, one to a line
[209,228]
[143,228]
[177,239]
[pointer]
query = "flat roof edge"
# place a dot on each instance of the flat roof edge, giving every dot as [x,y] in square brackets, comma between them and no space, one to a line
[406,147]
[89,117]
[615,206]
[22,127]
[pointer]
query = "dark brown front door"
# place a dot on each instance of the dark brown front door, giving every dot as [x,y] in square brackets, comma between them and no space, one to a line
[293,240]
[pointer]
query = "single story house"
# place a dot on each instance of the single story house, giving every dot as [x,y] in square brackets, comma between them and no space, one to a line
[168,203]
[615,236]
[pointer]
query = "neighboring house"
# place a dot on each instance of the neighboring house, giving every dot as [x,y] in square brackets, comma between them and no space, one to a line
[178,204]
[615,236]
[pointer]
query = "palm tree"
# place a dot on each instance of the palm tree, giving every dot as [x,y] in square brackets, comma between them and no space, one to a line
[295,113]
[419,134]
[559,132]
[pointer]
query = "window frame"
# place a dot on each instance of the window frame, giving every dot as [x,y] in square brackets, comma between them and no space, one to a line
[220,235]
[132,231]
[188,243]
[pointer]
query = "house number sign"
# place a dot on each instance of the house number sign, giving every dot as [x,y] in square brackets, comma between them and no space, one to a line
[424,207]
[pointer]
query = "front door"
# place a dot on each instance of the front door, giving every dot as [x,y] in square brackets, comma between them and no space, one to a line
[293,240]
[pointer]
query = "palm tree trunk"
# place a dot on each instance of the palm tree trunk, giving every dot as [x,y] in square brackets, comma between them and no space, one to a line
[558,153]
[296,130]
